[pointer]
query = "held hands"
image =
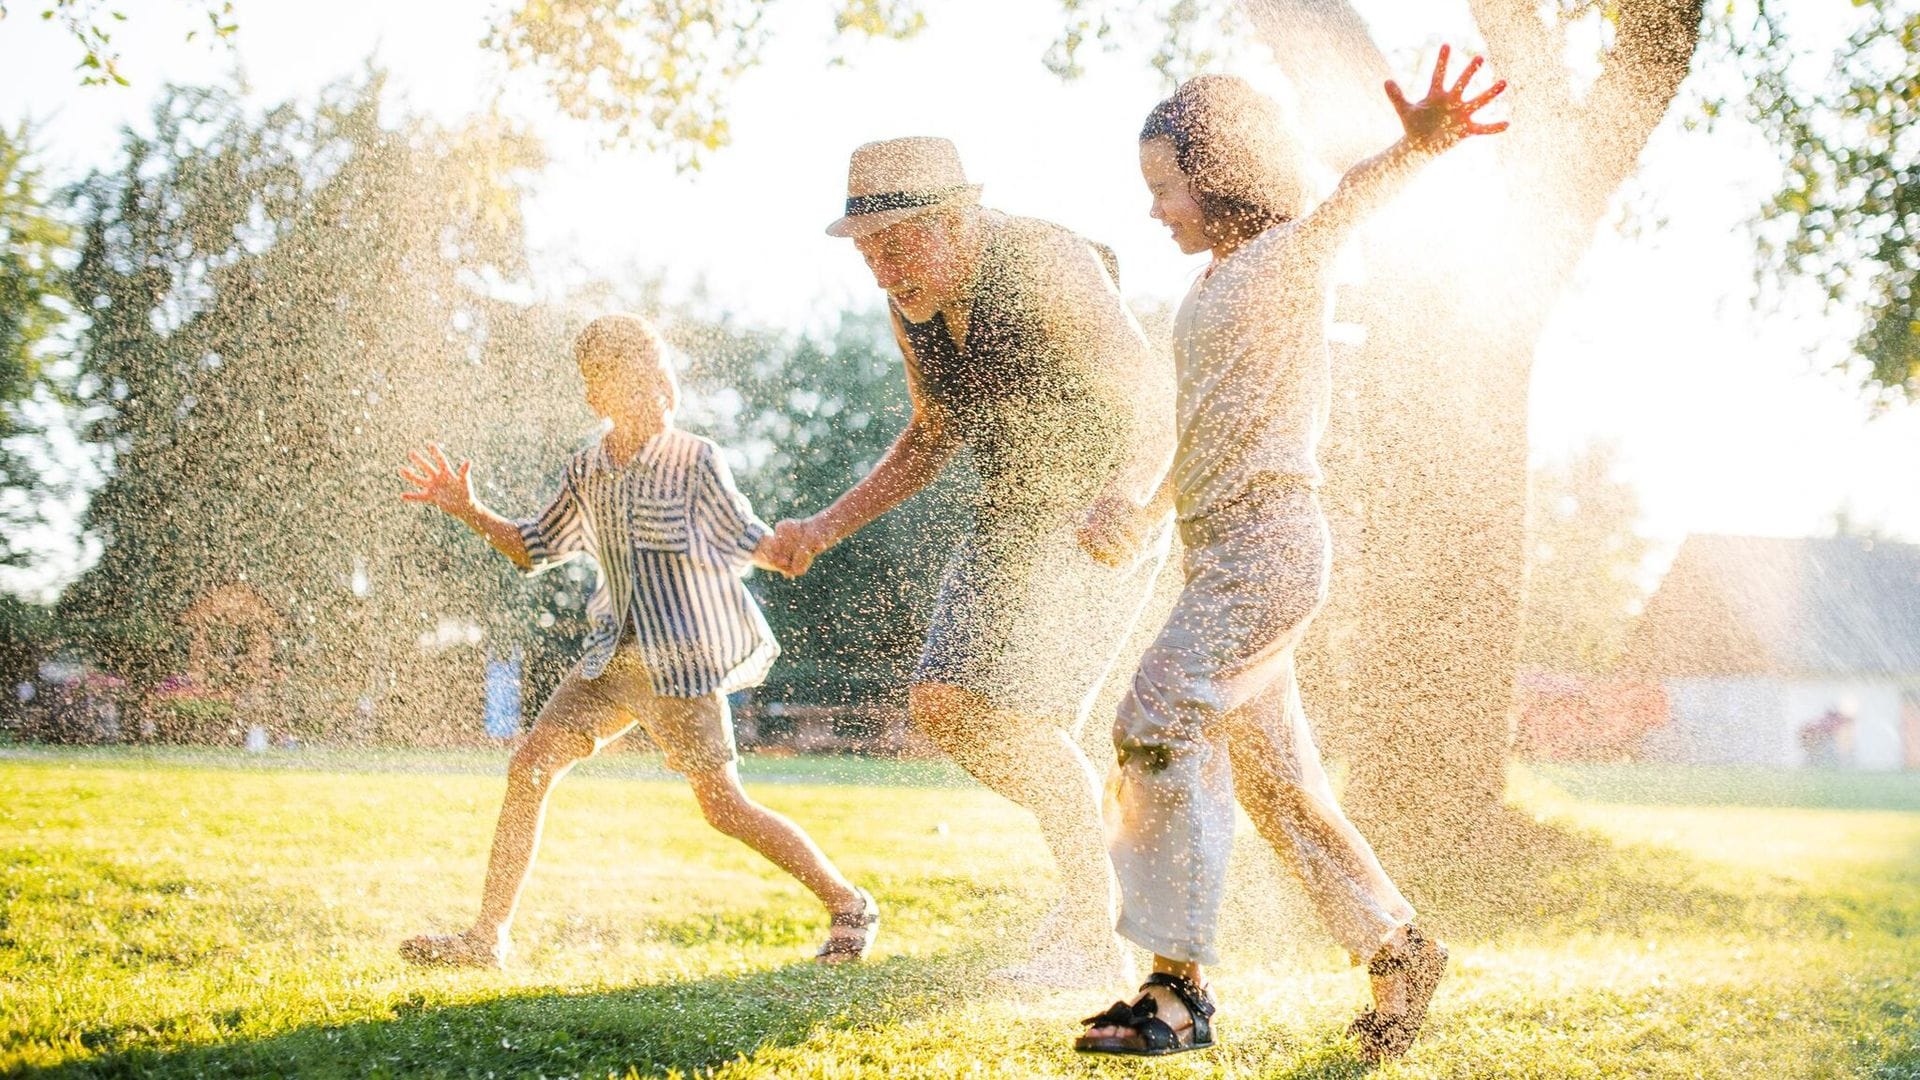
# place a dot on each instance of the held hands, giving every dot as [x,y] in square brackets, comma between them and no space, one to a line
[1111,529]
[1445,116]
[792,547]
[439,483]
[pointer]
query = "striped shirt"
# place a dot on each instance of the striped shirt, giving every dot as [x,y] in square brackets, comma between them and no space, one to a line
[674,540]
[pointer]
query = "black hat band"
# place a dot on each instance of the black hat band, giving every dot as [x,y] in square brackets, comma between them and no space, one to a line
[858,205]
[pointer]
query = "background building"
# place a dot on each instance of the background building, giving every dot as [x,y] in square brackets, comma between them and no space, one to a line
[1786,652]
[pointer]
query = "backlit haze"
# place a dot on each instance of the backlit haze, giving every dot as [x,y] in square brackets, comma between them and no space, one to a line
[1727,420]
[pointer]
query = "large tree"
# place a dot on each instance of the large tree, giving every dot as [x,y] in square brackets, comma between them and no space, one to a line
[279,307]
[1429,453]
[1413,668]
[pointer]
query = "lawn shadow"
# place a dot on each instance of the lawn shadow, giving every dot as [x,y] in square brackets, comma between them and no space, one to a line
[685,1027]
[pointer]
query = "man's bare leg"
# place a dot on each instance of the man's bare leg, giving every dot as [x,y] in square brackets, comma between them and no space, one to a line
[1035,763]
[536,766]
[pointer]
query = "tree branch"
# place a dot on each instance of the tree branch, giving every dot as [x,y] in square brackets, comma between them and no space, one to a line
[1654,43]
[1523,50]
[1337,70]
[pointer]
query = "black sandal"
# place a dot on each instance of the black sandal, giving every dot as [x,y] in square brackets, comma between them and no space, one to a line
[1152,1036]
[1424,961]
[845,948]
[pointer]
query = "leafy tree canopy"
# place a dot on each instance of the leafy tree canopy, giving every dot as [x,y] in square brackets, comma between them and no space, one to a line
[1846,217]
[93,23]
[33,305]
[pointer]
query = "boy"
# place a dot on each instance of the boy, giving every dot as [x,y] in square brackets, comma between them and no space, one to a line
[674,630]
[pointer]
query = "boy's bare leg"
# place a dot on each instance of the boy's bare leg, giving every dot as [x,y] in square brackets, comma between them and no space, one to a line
[729,808]
[535,767]
[539,764]
[1036,763]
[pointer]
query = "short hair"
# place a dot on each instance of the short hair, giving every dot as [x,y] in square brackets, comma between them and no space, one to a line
[628,339]
[619,335]
[1237,148]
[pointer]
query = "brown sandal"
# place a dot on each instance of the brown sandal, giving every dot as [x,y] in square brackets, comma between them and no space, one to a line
[845,948]
[1424,962]
[1151,1036]
[451,950]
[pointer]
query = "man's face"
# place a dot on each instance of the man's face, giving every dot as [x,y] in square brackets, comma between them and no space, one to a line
[917,262]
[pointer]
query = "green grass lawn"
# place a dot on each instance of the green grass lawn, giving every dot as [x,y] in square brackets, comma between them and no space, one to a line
[209,914]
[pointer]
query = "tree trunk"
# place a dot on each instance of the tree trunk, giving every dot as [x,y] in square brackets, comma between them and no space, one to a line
[1410,672]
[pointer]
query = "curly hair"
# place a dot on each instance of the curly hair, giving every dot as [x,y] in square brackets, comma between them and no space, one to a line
[1244,165]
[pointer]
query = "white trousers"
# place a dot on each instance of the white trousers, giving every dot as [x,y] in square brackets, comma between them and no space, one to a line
[1214,714]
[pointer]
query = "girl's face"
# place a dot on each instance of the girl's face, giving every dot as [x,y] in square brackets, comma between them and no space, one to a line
[1173,202]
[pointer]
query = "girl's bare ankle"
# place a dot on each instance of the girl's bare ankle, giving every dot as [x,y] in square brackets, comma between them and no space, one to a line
[1398,939]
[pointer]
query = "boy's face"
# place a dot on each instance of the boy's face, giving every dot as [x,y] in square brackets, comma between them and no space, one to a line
[626,387]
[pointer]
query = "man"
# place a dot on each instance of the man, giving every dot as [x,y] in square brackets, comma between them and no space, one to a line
[1017,346]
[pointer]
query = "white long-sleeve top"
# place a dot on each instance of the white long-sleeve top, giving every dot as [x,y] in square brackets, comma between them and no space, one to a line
[1250,348]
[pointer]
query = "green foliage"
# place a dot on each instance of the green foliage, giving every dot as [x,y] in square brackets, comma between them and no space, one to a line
[186,719]
[27,636]
[814,416]
[33,306]
[280,306]
[1187,36]
[33,237]
[227,914]
[92,24]
[1584,563]
[1847,216]
[139,643]
[657,73]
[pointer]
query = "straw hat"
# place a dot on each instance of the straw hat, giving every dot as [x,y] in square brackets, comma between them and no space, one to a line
[896,179]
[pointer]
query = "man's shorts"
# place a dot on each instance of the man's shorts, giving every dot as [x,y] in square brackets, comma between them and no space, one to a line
[695,734]
[1029,621]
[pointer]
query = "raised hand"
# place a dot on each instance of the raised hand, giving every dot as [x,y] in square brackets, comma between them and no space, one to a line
[437,482]
[1445,116]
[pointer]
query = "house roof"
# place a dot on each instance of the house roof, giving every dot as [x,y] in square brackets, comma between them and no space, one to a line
[1737,605]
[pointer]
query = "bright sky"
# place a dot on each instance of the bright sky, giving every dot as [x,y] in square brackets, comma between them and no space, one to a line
[1725,421]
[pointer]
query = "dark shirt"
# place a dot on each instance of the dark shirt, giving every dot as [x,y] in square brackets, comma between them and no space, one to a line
[1044,391]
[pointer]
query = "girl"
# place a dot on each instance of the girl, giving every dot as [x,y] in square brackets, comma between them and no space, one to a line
[1213,712]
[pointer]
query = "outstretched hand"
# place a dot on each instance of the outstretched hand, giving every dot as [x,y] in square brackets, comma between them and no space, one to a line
[1445,116]
[438,482]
